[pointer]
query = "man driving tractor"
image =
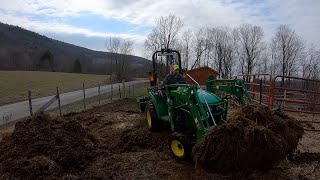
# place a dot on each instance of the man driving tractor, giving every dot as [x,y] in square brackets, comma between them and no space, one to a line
[174,77]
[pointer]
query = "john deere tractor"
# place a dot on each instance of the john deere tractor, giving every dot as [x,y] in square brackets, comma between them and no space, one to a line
[187,110]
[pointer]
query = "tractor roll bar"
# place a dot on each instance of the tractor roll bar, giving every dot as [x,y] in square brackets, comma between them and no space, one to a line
[154,74]
[168,51]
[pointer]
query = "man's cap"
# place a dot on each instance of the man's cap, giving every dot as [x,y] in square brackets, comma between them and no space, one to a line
[175,67]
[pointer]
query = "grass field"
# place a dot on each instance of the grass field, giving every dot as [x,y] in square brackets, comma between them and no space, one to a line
[14,85]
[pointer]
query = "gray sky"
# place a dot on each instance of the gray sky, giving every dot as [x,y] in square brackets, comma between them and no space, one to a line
[88,23]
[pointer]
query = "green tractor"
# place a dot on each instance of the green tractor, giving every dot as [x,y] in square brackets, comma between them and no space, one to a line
[187,110]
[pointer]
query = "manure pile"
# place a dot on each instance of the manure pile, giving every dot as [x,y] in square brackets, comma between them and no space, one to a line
[45,146]
[253,138]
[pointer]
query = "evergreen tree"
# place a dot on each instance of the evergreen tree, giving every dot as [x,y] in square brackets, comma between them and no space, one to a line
[77,66]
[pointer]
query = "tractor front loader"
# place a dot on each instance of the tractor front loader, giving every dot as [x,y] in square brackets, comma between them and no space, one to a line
[187,110]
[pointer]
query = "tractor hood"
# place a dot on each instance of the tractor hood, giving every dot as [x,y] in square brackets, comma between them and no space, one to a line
[209,97]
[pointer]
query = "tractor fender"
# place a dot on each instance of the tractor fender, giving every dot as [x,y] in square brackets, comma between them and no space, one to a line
[154,101]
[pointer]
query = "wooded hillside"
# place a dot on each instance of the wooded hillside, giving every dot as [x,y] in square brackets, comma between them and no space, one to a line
[21,49]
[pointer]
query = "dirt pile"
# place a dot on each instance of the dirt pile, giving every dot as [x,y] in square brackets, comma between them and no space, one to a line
[253,138]
[45,146]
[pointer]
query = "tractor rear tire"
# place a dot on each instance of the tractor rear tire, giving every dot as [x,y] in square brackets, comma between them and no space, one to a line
[152,119]
[179,146]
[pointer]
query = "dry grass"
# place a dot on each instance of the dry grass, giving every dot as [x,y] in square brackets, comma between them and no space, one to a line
[15,84]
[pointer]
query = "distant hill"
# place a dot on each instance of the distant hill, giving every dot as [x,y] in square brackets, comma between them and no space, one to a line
[21,49]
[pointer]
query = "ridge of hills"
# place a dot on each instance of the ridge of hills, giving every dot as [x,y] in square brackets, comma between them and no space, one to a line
[21,49]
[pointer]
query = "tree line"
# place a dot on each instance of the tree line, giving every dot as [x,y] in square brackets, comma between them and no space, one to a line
[236,50]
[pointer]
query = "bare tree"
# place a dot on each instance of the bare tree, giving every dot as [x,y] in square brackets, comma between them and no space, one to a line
[231,54]
[152,43]
[125,50]
[250,45]
[215,47]
[113,46]
[274,63]
[263,63]
[287,48]
[186,46]
[309,64]
[316,67]
[164,34]
[119,49]
[219,41]
[199,46]
[208,48]
[221,50]
[222,47]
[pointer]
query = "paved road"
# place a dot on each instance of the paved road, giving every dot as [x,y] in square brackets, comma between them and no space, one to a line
[19,110]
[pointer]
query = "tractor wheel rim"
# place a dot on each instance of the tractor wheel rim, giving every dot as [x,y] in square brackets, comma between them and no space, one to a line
[149,118]
[177,148]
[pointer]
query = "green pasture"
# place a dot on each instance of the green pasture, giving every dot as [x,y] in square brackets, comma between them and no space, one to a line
[14,85]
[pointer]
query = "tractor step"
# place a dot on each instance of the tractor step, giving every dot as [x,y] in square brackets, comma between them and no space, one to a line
[165,118]
[142,103]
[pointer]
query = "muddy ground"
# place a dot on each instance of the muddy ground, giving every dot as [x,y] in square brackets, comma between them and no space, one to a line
[123,148]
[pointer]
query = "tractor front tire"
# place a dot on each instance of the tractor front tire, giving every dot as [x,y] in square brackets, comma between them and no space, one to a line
[152,119]
[179,146]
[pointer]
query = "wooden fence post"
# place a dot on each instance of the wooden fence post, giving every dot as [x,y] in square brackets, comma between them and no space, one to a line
[119,92]
[59,104]
[111,91]
[84,97]
[314,109]
[260,99]
[123,88]
[99,93]
[129,90]
[30,103]
[132,89]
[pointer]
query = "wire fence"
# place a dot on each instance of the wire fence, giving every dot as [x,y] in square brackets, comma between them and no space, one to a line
[99,96]
[75,101]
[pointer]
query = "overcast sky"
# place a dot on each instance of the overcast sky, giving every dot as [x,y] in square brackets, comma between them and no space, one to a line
[88,23]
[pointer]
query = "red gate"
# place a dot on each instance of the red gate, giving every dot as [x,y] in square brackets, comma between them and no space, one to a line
[290,93]
[296,94]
